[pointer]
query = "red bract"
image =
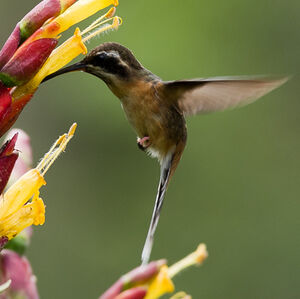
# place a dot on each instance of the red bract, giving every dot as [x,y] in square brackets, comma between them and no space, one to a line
[42,12]
[5,101]
[24,162]
[27,61]
[30,23]
[19,64]
[16,108]
[33,40]
[10,46]
[7,161]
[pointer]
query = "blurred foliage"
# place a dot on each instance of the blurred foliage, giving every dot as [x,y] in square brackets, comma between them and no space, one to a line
[237,187]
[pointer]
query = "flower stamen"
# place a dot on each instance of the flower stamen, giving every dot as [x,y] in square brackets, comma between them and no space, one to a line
[101,27]
[195,258]
[57,148]
[108,15]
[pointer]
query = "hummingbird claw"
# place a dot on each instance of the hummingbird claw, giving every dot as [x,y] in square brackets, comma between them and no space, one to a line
[143,143]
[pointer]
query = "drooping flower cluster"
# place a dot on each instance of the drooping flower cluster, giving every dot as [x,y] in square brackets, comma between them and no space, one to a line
[27,57]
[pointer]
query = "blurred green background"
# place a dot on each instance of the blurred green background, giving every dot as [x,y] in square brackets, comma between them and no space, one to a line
[236,189]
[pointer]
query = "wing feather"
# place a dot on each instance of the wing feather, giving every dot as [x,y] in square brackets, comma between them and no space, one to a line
[216,94]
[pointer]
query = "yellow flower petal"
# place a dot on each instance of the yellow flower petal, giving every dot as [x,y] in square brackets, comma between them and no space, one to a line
[29,214]
[81,10]
[61,56]
[21,192]
[161,285]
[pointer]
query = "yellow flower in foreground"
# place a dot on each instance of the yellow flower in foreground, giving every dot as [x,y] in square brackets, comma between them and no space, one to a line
[153,280]
[21,205]
[163,284]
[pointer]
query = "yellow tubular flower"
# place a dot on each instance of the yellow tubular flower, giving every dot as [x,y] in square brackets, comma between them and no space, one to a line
[163,284]
[69,50]
[21,206]
[81,10]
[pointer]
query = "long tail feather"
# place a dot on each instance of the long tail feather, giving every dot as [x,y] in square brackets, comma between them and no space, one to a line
[166,166]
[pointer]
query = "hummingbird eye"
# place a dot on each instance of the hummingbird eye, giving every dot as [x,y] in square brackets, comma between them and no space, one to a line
[110,63]
[102,56]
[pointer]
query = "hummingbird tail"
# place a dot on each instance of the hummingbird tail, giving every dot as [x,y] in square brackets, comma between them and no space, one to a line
[166,166]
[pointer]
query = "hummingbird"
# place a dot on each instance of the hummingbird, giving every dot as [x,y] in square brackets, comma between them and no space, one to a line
[157,109]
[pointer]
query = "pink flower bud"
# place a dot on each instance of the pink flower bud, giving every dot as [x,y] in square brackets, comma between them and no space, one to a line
[5,101]
[18,269]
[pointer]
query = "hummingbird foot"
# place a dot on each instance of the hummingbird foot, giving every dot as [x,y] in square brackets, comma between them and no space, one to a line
[143,143]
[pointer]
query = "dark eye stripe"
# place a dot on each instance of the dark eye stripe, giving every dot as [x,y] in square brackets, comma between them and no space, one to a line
[110,63]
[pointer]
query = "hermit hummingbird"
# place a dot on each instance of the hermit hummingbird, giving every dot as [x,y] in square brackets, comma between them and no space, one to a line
[157,109]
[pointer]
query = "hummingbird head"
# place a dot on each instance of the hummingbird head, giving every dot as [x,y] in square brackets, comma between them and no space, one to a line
[111,62]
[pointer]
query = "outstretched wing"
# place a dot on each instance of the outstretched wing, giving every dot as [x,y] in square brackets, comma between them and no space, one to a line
[215,94]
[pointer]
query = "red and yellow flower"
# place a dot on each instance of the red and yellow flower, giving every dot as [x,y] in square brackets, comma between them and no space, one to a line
[28,56]
[154,280]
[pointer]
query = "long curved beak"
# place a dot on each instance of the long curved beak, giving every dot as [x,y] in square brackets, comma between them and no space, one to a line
[79,66]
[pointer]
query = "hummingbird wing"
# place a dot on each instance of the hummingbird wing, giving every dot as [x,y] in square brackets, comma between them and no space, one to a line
[198,96]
